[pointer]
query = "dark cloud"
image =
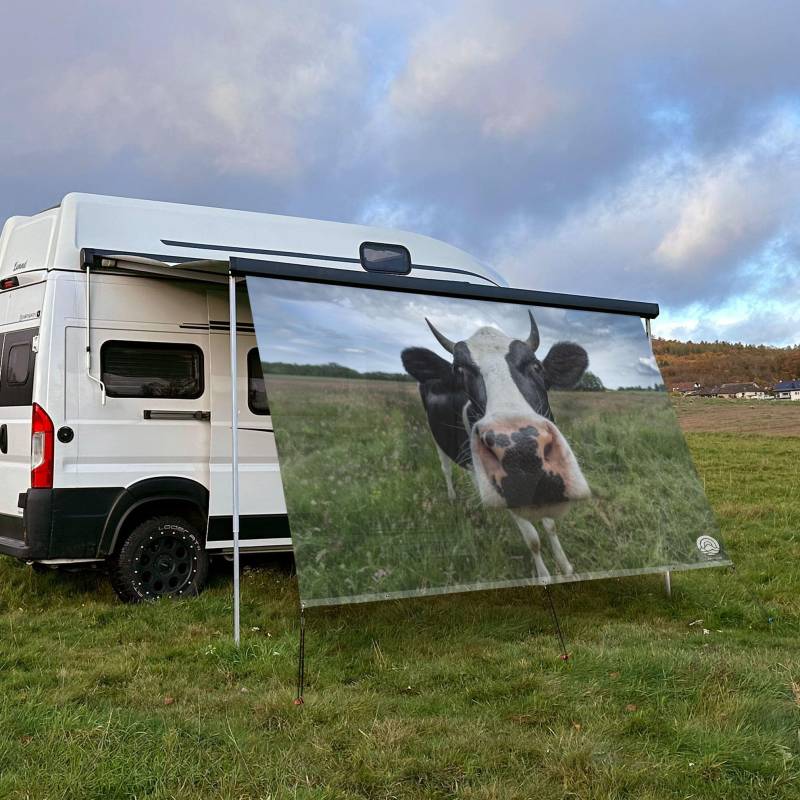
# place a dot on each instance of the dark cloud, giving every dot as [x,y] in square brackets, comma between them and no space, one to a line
[627,149]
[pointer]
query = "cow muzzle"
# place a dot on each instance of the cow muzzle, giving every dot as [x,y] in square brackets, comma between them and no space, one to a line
[525,463]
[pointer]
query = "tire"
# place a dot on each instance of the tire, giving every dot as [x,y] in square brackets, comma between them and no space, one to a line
[162,557]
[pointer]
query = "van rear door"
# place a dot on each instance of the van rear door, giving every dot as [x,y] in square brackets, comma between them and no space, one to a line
[19,337]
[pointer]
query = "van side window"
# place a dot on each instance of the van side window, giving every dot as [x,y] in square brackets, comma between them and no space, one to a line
[18,366]
[256,389]
[152,369]
[17,360]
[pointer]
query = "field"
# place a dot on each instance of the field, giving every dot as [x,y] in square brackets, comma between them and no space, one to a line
[741,417]
[455,696]
[370,513]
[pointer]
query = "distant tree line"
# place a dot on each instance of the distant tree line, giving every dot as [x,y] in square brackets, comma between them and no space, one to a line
[331,370]
[659,387]
[714,363]
[590,383]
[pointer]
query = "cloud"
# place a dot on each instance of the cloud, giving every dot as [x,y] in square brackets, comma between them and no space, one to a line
[652,160]
[647,366]
[367,329]
[732,202]
[680,227]
[233,88]
[476,69]
[537,102]
[626,149]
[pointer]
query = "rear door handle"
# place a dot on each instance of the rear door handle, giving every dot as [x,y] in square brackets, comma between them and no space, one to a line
[3,438]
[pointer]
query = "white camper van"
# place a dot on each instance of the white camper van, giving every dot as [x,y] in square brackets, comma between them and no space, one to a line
[115,393]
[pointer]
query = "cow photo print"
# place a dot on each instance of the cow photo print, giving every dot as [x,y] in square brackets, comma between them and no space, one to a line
[433,444]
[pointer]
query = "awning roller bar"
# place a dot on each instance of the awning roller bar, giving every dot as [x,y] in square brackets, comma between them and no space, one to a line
[344,277]
[458,289]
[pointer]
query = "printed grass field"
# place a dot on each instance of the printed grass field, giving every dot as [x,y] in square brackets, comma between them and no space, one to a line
[365,489]
[462,695]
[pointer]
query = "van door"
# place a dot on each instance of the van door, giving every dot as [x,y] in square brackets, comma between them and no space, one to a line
[17,366]
[154,423]
[263,523]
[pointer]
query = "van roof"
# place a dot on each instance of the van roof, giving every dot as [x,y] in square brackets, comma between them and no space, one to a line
[53,239]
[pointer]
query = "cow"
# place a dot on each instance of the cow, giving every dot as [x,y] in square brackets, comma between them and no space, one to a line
[489,413]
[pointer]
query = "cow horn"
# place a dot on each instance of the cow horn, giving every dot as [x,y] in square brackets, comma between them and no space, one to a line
[533,337]
[443,340]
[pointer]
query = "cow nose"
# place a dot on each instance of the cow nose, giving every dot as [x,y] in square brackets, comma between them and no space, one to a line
[530,444]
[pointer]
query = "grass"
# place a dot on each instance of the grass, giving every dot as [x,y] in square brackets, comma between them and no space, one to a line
[463,695]
[370,514]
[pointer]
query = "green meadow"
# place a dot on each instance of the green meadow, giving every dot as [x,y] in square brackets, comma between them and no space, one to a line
[454,696]
[370,511]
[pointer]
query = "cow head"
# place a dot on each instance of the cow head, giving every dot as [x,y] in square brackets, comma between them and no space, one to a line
[520,458]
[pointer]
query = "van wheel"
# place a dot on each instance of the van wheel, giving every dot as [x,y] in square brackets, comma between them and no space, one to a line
[162,557]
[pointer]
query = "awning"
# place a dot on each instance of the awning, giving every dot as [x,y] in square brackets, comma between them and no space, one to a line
[439,436]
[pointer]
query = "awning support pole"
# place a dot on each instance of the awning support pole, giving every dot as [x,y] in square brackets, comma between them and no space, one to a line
[234,459]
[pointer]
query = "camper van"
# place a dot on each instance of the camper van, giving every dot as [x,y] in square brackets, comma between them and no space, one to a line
[115,381]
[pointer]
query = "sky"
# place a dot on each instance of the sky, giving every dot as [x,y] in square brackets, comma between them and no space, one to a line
[367,330]
[648,151]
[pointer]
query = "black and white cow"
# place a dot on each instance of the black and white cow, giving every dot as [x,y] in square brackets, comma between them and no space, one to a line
[489,413]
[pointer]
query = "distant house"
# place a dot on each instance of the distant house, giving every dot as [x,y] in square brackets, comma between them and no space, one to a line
[709,391]
[742,391]
[787,390]
[686,388]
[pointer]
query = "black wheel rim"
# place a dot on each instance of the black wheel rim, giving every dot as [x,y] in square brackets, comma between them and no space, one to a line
[164,566]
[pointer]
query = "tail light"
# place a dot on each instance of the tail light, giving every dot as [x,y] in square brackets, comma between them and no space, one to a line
[42,442]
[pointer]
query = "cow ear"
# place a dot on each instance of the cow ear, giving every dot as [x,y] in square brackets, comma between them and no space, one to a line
[425,365]
[564,365]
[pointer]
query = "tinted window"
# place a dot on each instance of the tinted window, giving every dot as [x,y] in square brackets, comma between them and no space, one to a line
[17,361]
[18,367]
[387,258]
[152,369]
[256,390]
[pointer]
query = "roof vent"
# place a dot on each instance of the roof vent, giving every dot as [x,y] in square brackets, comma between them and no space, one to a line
[391,259]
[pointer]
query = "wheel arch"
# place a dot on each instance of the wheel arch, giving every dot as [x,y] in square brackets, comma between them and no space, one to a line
[150,497]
